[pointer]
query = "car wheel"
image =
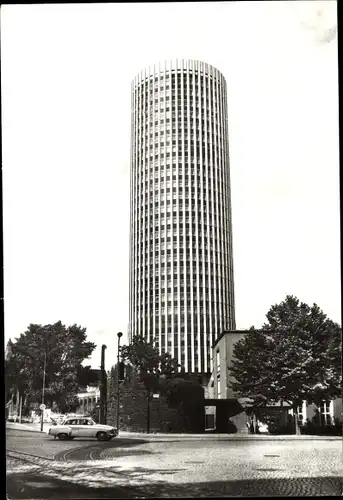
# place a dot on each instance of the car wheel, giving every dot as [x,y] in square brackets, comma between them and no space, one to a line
[102,436]
[63,436]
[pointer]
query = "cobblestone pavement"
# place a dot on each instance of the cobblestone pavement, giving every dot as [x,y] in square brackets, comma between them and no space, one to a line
[238,459]
[37,481]
[175,469]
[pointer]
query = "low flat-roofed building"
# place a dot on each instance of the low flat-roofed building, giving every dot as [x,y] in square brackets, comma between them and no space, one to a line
[222,352]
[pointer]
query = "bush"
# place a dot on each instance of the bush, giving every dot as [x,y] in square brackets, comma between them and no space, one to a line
[187,397]
[277,426]
[314,429]
[279,429]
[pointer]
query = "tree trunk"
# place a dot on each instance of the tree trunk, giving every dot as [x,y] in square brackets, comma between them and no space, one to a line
[17,401]
[20,407]
[296,421]
[255,423]
[284,413]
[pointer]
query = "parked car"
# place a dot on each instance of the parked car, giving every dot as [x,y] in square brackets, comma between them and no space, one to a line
[72,428]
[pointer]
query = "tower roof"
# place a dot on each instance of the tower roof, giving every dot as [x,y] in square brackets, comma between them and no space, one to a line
[177,64]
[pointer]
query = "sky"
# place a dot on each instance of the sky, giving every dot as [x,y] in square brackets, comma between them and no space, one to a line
[66,71]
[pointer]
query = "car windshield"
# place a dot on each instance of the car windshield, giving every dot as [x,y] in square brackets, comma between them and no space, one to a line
[91,422]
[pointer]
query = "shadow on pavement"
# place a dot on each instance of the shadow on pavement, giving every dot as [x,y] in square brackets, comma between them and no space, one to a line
[94,450]
[33,486]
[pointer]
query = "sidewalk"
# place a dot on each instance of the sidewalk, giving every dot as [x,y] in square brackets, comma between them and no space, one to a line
[28,427]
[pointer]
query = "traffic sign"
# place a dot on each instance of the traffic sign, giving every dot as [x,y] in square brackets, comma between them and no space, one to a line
[42,407]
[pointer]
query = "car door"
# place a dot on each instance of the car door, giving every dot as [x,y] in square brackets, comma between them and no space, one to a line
[73,423]
[85,428]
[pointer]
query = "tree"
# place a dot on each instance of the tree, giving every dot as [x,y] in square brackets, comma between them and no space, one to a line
[63,350]
[145,357]
[296,356]
[150,364]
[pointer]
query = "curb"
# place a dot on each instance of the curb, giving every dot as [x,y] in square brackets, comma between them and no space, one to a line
[26,457]
[24,429]
[226,437]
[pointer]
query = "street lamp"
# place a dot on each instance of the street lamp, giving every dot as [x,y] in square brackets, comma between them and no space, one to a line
[43,393]
[119,334]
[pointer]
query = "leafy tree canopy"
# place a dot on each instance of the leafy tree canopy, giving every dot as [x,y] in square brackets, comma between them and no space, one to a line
[145,357]
[295,356]
[178,389]
[64,349]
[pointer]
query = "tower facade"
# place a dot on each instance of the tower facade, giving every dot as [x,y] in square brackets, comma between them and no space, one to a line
[181,265]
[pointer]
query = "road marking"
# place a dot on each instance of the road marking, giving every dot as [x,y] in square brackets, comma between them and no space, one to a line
[27,454]
[62,456]
[91,456]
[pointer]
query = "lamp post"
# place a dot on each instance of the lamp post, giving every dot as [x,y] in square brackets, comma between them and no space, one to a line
[102,386]
[119,334]
[43,393]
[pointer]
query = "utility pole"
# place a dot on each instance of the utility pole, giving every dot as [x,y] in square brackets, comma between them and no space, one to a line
[148,415]
[43,393]
[102,386]
[119,335]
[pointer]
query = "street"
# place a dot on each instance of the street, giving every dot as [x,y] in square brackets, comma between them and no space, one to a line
[40,467]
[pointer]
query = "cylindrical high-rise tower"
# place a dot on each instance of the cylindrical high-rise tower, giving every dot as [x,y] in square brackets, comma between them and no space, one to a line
[181,266]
